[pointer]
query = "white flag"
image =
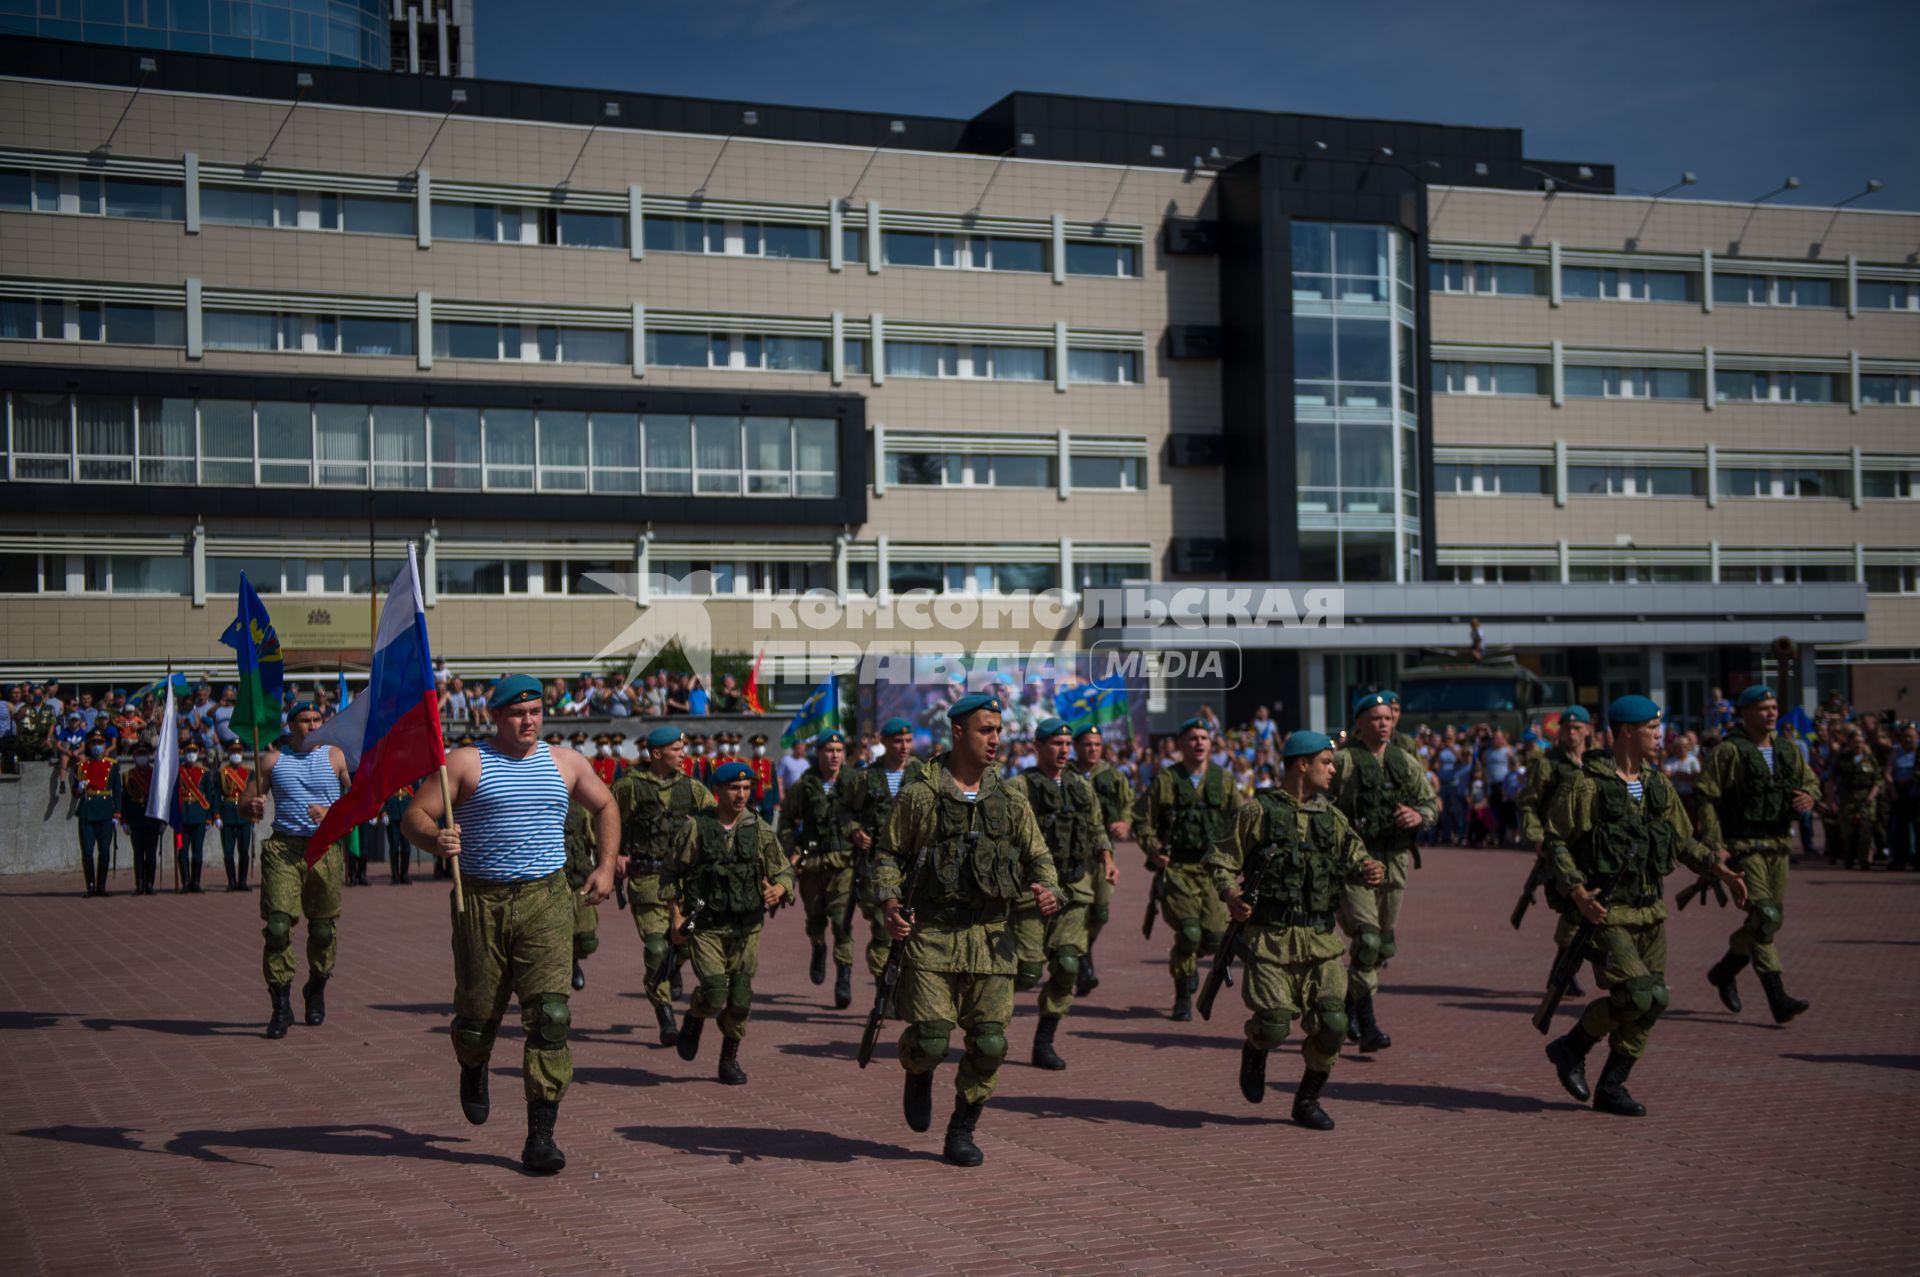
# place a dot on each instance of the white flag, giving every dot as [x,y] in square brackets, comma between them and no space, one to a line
[166,760]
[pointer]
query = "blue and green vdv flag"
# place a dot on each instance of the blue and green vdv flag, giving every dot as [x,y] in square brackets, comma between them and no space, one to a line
[1092,704]
[262,673]
[820,712]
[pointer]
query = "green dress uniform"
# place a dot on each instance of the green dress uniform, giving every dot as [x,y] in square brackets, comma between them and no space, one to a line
[1071,820]
[1115,792]
[1594,828]
[98,782]
[142,830]
[1854,778]
[715,874]
[870,795]
[981,853]
[582,856]
[1746,809]
[816,827]
[1182,815]
[1368,789]
[653,812]
[1290,860]
[236,826]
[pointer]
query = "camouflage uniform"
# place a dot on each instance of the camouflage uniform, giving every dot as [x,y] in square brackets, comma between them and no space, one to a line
[1071,820]
[1544,781]
[1367,790]
[1183,821]
[1854,777]
[714,874]
[817,828]
[582,857]
[1115,792]
[654,811]
[870,803]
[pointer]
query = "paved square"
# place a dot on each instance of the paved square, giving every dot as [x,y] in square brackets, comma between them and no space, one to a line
[146,1127]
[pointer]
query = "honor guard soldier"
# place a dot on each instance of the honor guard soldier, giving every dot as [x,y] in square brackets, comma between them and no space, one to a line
[607,763]
[393,814]
[236,828]
[1751,793]
[510,801]
[1115,792]
[1544,779]
[143,830]
[98,784]
[764,789]
[582,857]
[1188,807]
[1073,822]
[195,811]
[694,761]
[1615,831]
[579,743]
[304,782]
[1383,792]
[870,795]
[961,847]
[654,803]
[726,873]
[1281,873]
[817,829]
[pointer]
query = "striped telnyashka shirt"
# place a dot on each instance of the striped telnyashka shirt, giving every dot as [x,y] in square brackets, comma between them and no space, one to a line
[513,823]
[300,780]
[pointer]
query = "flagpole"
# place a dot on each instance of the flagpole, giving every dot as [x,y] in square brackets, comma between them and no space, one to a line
[173,833]
[446,822]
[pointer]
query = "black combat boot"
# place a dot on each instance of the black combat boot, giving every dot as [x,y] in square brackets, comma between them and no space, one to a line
[282,1018]
[1611,1095]
[541,1154]
[817,968]
[1193,982]
[1088,980]
[1721,976]
[1306,1102]
[1044,1056]
[669,1031]
[579,977]
[474,1104]
[916,1101]
[960,1149]
[1182,999]
[730,1071]
[689,1043]
[675,989]
[1353,1020]
[1569,1056]
[842,988]
[314,994]
[1372,1038]
[1784,1008]
[1253,1073]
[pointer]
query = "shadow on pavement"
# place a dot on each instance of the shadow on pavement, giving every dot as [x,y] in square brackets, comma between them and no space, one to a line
[739,1144]
[1875,1061]
[180,1028]
[1891,942]
[1172,1038]
[1453,991]
[1120,1112]
[327,1141]
[837,1050]
[30,1019]
[1083,1010]
[1448,1099]
[601,1075]
[444,1009]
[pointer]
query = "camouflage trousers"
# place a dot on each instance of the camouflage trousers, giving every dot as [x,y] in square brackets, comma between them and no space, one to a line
[652,919]
[1766,875]
[516,939]
[827,896]
[289,891]
[725,960]
[1101,909]
[934,1004]
[1633,967]
[586,919]
[1193,911]
[1048,950]
[1278,993]
[1368,916]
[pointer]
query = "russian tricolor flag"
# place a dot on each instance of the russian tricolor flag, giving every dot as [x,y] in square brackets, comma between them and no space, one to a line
[391,732]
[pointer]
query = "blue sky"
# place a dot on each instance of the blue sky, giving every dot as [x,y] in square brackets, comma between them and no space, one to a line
[1744,94]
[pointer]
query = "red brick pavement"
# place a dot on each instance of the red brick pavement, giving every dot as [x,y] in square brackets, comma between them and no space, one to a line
[146,1127]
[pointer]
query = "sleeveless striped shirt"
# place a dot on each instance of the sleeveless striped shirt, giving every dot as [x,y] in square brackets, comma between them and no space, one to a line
[513,824]
[300,779]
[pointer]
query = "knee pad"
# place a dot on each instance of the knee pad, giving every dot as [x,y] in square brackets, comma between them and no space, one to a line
[1188,936]
[321,931]
[988,1041]
[1658,997]
[548,1022]
[1331,1028]
[1098,915]
[279,931]
[1066,971]
[654,948]
[474,1035]
[1366,950]
[586,942]
[1633,998]
[930,1038]
[1268,1029]
[1027,975]
[1210,940]
[715,989]
[740,996]
[1387,947]
[1766,921]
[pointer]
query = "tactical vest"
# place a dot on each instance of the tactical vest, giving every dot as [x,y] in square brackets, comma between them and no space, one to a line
[815,822]
[1624,831]
[1373,795]
[648,832]
[1296,879]
[1855,775]
[880,798]
[1197,818]
[1066,821]
[973,864]
[727,874]
[1762,803]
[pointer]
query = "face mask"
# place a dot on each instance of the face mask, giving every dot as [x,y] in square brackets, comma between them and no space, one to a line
[699,749]
[759,751]
[190,757]
[606,751]
[235,759]
[96,750]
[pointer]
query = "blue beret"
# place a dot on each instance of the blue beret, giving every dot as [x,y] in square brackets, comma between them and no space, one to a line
[1051,727]
[302,707]
[1091,729]
[1758,692]
[661,736]
[1190,724]
[1631,710]
[829,738]
[727,773]
[968,704]
[1304,744]
[894,726]
[1577,714]
[1367,700]
[513,689]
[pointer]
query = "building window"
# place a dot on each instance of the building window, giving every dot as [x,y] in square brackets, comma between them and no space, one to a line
[308,334]
[970,469]
[1121,474]
[1890,485]
[1484,279]
[1787,573]
[965,252]
[518,224]
[737,352]
[1735,289]
[1631,383]
[1636,481]
[1492,480]
[742,238]
[1451,378]
[973,362]
[479,576]
[1883,294]
[1091,576]
[1774,387]
[92,195]
[972,578]
[306,210]
[113,323]
[531,343]
[1904,579]
[1636,573]
[1103,367]
[1497,573]
[1780,484]
[1607,283]
[1120,261]
[1889,390]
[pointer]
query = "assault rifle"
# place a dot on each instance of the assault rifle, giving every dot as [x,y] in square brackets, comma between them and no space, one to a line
[890,974]
[619,887]
[1699,890]
[1221,974]
[688,925]
[1154,898]
[1536,879]
[1567,965]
